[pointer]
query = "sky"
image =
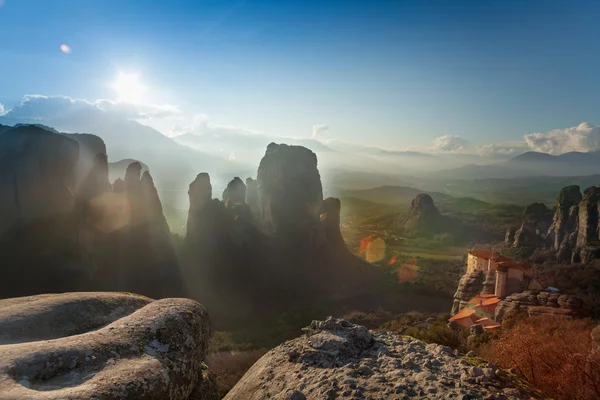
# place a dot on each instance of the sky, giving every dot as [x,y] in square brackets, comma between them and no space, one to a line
[479,76]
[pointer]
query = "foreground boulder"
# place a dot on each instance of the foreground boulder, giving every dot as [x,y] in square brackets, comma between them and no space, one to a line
[103,346]
[338,359]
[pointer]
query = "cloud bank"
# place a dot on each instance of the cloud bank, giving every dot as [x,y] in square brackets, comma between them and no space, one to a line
[39,107]
[584,137]
[498,150]
[449,144]
[319,130]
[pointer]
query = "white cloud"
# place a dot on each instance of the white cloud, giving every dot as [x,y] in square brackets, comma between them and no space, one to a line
[320,130]
[2,112]
[584,137]
[202,125]
[499,150]
[449,144]
[39,107]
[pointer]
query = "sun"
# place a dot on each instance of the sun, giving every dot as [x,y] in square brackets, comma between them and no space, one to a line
[129,89]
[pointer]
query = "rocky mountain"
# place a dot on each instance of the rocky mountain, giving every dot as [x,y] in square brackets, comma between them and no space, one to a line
[338,359]
[173,165]
[570,233]
[531,164]
[65,227]
[266,243]
[117,169]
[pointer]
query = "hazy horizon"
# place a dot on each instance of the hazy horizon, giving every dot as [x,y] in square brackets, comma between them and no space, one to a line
[479,82]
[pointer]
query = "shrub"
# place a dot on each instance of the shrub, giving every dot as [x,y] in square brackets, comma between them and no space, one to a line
[555,355]
[229,367]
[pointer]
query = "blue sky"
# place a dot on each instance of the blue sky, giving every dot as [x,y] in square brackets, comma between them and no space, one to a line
[397,74]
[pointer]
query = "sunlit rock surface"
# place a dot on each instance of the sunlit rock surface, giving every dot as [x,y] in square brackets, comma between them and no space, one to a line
[338,359]
[103,346]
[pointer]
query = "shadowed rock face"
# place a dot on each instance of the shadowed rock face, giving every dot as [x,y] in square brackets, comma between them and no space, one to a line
[235,192]
[37,175]
[252,197]
[423,217]
[292,255]
[331,221]
[103,346]
[67,230]
[565,217]
[588,217]
[289,188]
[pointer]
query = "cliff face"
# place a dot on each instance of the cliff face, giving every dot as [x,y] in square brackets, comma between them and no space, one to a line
[289,188]
[338,359]
[423,217]
[62,228]
[37,175]
[573,233]
[539,303]
[288,253]
[469,286]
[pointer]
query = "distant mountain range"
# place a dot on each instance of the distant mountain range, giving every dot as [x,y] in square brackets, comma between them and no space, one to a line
[531,164]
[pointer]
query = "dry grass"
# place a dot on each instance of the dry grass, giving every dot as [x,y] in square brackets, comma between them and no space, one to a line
[229,367]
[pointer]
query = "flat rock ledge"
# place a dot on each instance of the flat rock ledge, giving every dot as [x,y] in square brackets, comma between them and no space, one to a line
[340,360]
[103,346]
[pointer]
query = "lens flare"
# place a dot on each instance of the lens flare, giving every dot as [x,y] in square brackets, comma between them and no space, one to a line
[65,49]
[408,271]
[373,249]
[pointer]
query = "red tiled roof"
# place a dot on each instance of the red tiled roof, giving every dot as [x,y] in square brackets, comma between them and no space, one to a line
[489,255]
[481,298]
[488,323]
[491,301]
[464,313]
[513,264]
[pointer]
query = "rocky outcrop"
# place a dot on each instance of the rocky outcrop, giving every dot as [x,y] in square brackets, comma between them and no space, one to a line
[538,303]
[235,192]
[289,188]
[103,345]
[338,359]
[587,233]
[37,175]
[331,221]
[289,255]
[423,216]
[117,169]
[252,197]
[526,235]
[565,219]
[509,236]
[472,284]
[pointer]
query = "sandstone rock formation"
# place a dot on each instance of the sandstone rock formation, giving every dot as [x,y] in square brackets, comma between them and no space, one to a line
[252,197]
[64,227]
[468,287]
[289,188]
[289,255]
[37,175]
[338,359]
[423,216]
[565,217]
[103,346]
[538,303]
[331,221]
[235,192]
